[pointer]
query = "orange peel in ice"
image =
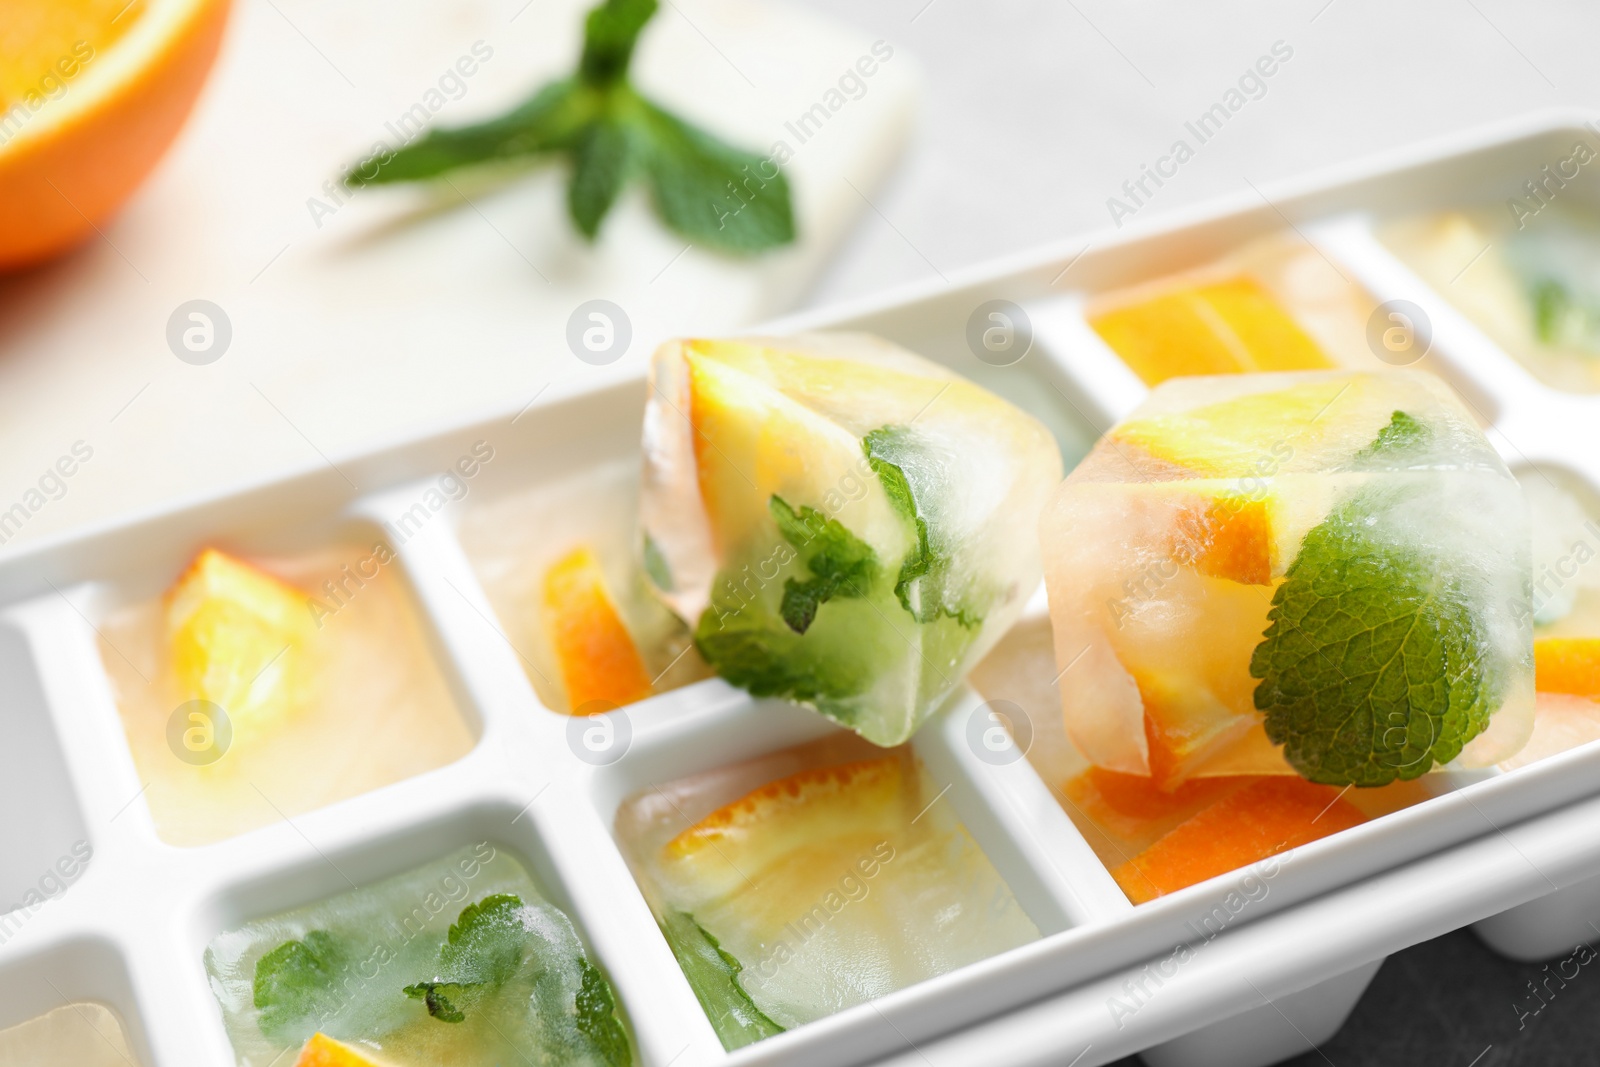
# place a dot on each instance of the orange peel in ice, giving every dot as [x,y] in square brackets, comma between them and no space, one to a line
[600,664]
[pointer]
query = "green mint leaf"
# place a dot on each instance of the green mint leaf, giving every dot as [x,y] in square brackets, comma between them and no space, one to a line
[841,564]
[740,647]
[596,1009]
[486,941]
[1372,666]
[921,586]
[709,192]
[769,656]
[551,121]
[1402,438]
[297,985]
[713,974]
[600,165]
[609,34]
[482,950]
[440,998]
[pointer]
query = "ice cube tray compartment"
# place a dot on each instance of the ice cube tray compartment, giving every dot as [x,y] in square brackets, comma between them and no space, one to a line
[132,930]
[73,971]
[38,860]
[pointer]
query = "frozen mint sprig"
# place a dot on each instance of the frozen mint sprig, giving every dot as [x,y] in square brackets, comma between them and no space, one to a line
[704,189]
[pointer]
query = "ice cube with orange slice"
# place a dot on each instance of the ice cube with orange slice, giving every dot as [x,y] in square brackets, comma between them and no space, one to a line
[1272,304]
[843,523]
[1566,614]
[824,889]
[238,638]
[1314,574]
[601,668]
[1228,326]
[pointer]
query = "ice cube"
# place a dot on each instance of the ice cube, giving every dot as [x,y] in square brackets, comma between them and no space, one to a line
[460,961]
[1529,282]
[817,891]
[1322,573]
[83,1035]
[844,523]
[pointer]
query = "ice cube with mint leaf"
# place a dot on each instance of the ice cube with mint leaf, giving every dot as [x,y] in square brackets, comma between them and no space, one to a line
[1556,260]
[1324,574]
[462,960]
[843,523]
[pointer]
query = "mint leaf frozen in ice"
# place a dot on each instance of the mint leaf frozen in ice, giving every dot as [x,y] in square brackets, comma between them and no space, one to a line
[297,984]
[483,949]
[923,583]
[839,562]
[714,976]
[1373,664]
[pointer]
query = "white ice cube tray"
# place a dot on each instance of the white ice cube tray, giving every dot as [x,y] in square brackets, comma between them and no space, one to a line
[1244,969]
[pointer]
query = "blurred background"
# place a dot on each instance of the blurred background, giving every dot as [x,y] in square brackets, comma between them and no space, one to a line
[343,321]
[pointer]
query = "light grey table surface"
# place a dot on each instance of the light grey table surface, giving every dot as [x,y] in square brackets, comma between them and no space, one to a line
[1036,111]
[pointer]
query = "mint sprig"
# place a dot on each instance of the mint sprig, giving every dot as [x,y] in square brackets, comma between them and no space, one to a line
[706,190]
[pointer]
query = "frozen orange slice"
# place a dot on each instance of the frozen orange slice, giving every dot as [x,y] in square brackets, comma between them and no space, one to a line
[827,809]
[1225,327]
[1131,812]
[91,94]
[237,637]
[600,666]
[1232,438]
[1567,665]
[324,1051]
[1228,537]
[1269,816]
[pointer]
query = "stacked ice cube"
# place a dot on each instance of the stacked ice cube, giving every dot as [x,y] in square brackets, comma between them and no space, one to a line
[1321,573]
[844,523]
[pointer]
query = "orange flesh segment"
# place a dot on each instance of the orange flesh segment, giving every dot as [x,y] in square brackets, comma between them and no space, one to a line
[324,1051]
[600,666]
[1225,327]
[1266,817]
[93,92]
[1567,665]
[45,42]
[1231,538]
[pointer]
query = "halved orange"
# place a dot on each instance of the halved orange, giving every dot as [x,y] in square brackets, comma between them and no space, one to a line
[600,665]
[91,94]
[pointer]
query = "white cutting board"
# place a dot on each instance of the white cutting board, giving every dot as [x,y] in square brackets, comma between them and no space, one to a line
[404,308]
